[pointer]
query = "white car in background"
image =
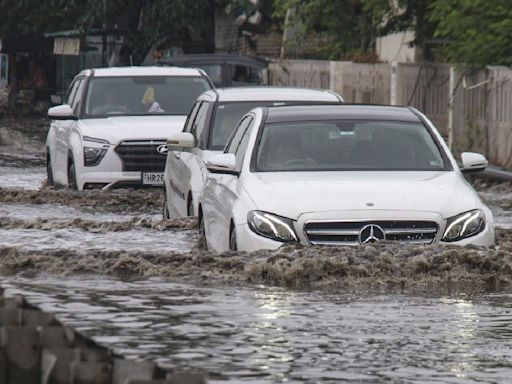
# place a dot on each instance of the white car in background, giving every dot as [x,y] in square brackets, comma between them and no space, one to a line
[112,129]
[340,175]
[209,125]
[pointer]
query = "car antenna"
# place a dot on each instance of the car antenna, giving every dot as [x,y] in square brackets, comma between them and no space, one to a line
[131,61]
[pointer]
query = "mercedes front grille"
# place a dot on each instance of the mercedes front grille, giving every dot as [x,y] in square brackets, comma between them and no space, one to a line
[359,232]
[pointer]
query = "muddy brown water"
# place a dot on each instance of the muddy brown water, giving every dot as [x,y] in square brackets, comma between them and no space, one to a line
[108,265]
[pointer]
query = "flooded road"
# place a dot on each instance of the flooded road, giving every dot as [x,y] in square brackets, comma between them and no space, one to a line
[267,335]
[108,265]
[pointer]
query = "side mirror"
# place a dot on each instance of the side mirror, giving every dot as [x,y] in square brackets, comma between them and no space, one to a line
[225,163]
[61,112]
[473,162]
[181,140]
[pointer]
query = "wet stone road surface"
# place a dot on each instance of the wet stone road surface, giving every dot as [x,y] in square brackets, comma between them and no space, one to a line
[107,264]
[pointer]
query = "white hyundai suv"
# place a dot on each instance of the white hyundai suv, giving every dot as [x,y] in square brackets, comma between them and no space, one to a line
[112,129]
[208,127]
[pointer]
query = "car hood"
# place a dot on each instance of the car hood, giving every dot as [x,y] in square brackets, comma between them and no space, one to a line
[291,194]
[119,128]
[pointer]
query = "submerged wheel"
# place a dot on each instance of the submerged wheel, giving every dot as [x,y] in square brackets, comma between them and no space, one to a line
[190,208]
[232,239]
[165,211]
[72,184]
[202,233]
[49,171]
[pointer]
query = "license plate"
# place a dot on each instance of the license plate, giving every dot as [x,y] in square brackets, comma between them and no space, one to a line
[152,178]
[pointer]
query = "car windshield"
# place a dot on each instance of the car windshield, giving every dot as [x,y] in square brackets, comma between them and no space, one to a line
[143,95]
[348,145]
[227,116]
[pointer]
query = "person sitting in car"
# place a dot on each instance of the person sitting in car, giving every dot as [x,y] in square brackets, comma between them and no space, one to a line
[149,101]
[112,104]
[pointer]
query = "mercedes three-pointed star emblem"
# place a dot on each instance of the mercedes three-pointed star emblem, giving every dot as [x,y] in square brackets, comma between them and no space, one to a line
[371,233]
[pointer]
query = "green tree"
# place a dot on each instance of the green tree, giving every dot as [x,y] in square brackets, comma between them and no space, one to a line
[346,21]
[478,32]
[147,21]
[390,16]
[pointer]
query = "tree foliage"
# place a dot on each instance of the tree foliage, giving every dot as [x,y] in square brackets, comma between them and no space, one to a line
[478,32]
[147,21]
[357,23]
[345,21]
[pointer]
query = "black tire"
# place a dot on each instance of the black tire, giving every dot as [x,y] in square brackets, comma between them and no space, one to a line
[190,207]
[232,239]
[49,171]
[202,233]
[72,184]
[165,211]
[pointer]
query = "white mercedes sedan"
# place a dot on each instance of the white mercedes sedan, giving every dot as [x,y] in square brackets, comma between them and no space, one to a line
[339,175]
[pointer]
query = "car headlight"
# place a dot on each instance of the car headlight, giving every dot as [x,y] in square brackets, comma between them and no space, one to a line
[271,226]
[93,155]
[465,225]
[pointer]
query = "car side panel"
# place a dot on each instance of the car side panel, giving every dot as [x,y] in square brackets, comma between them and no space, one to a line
[173,180]
[51,144]
[75,150]
[63,129]
[216,212]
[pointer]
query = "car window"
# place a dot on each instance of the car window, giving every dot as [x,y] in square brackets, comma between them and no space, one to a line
[234,141]
[243,75]
[191,117]
[143,95]
[199,122]
[348,145]
[71,92]
[228,114]
[242,147]
[75,104]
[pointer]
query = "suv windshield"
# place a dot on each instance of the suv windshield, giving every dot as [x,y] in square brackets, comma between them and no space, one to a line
[348,145]
[227,116]
[143,95]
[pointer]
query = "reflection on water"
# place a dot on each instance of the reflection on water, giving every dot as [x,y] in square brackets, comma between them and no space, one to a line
[275,335]
[460,335]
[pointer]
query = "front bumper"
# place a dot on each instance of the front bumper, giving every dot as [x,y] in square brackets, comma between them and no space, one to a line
[249,241]
[111,172]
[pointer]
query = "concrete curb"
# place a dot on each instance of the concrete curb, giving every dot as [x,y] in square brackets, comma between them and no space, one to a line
[35,348]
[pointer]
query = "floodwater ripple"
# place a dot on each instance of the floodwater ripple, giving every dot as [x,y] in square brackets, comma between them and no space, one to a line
[276,335]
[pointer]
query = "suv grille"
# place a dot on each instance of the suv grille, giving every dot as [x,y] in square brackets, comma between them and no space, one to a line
[348,233]
[141,155]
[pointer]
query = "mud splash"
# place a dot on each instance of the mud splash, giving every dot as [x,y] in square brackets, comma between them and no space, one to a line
[383,266]
[144,201]
[496,194]
[23,135]
[95,226]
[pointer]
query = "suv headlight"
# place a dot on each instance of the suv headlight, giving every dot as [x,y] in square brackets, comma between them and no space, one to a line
[93,155]
[465,225]
[271,226]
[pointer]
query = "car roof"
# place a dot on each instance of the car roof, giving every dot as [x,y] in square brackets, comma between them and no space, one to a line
[263,93]
[342,111]
[213,58]
[142,71]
